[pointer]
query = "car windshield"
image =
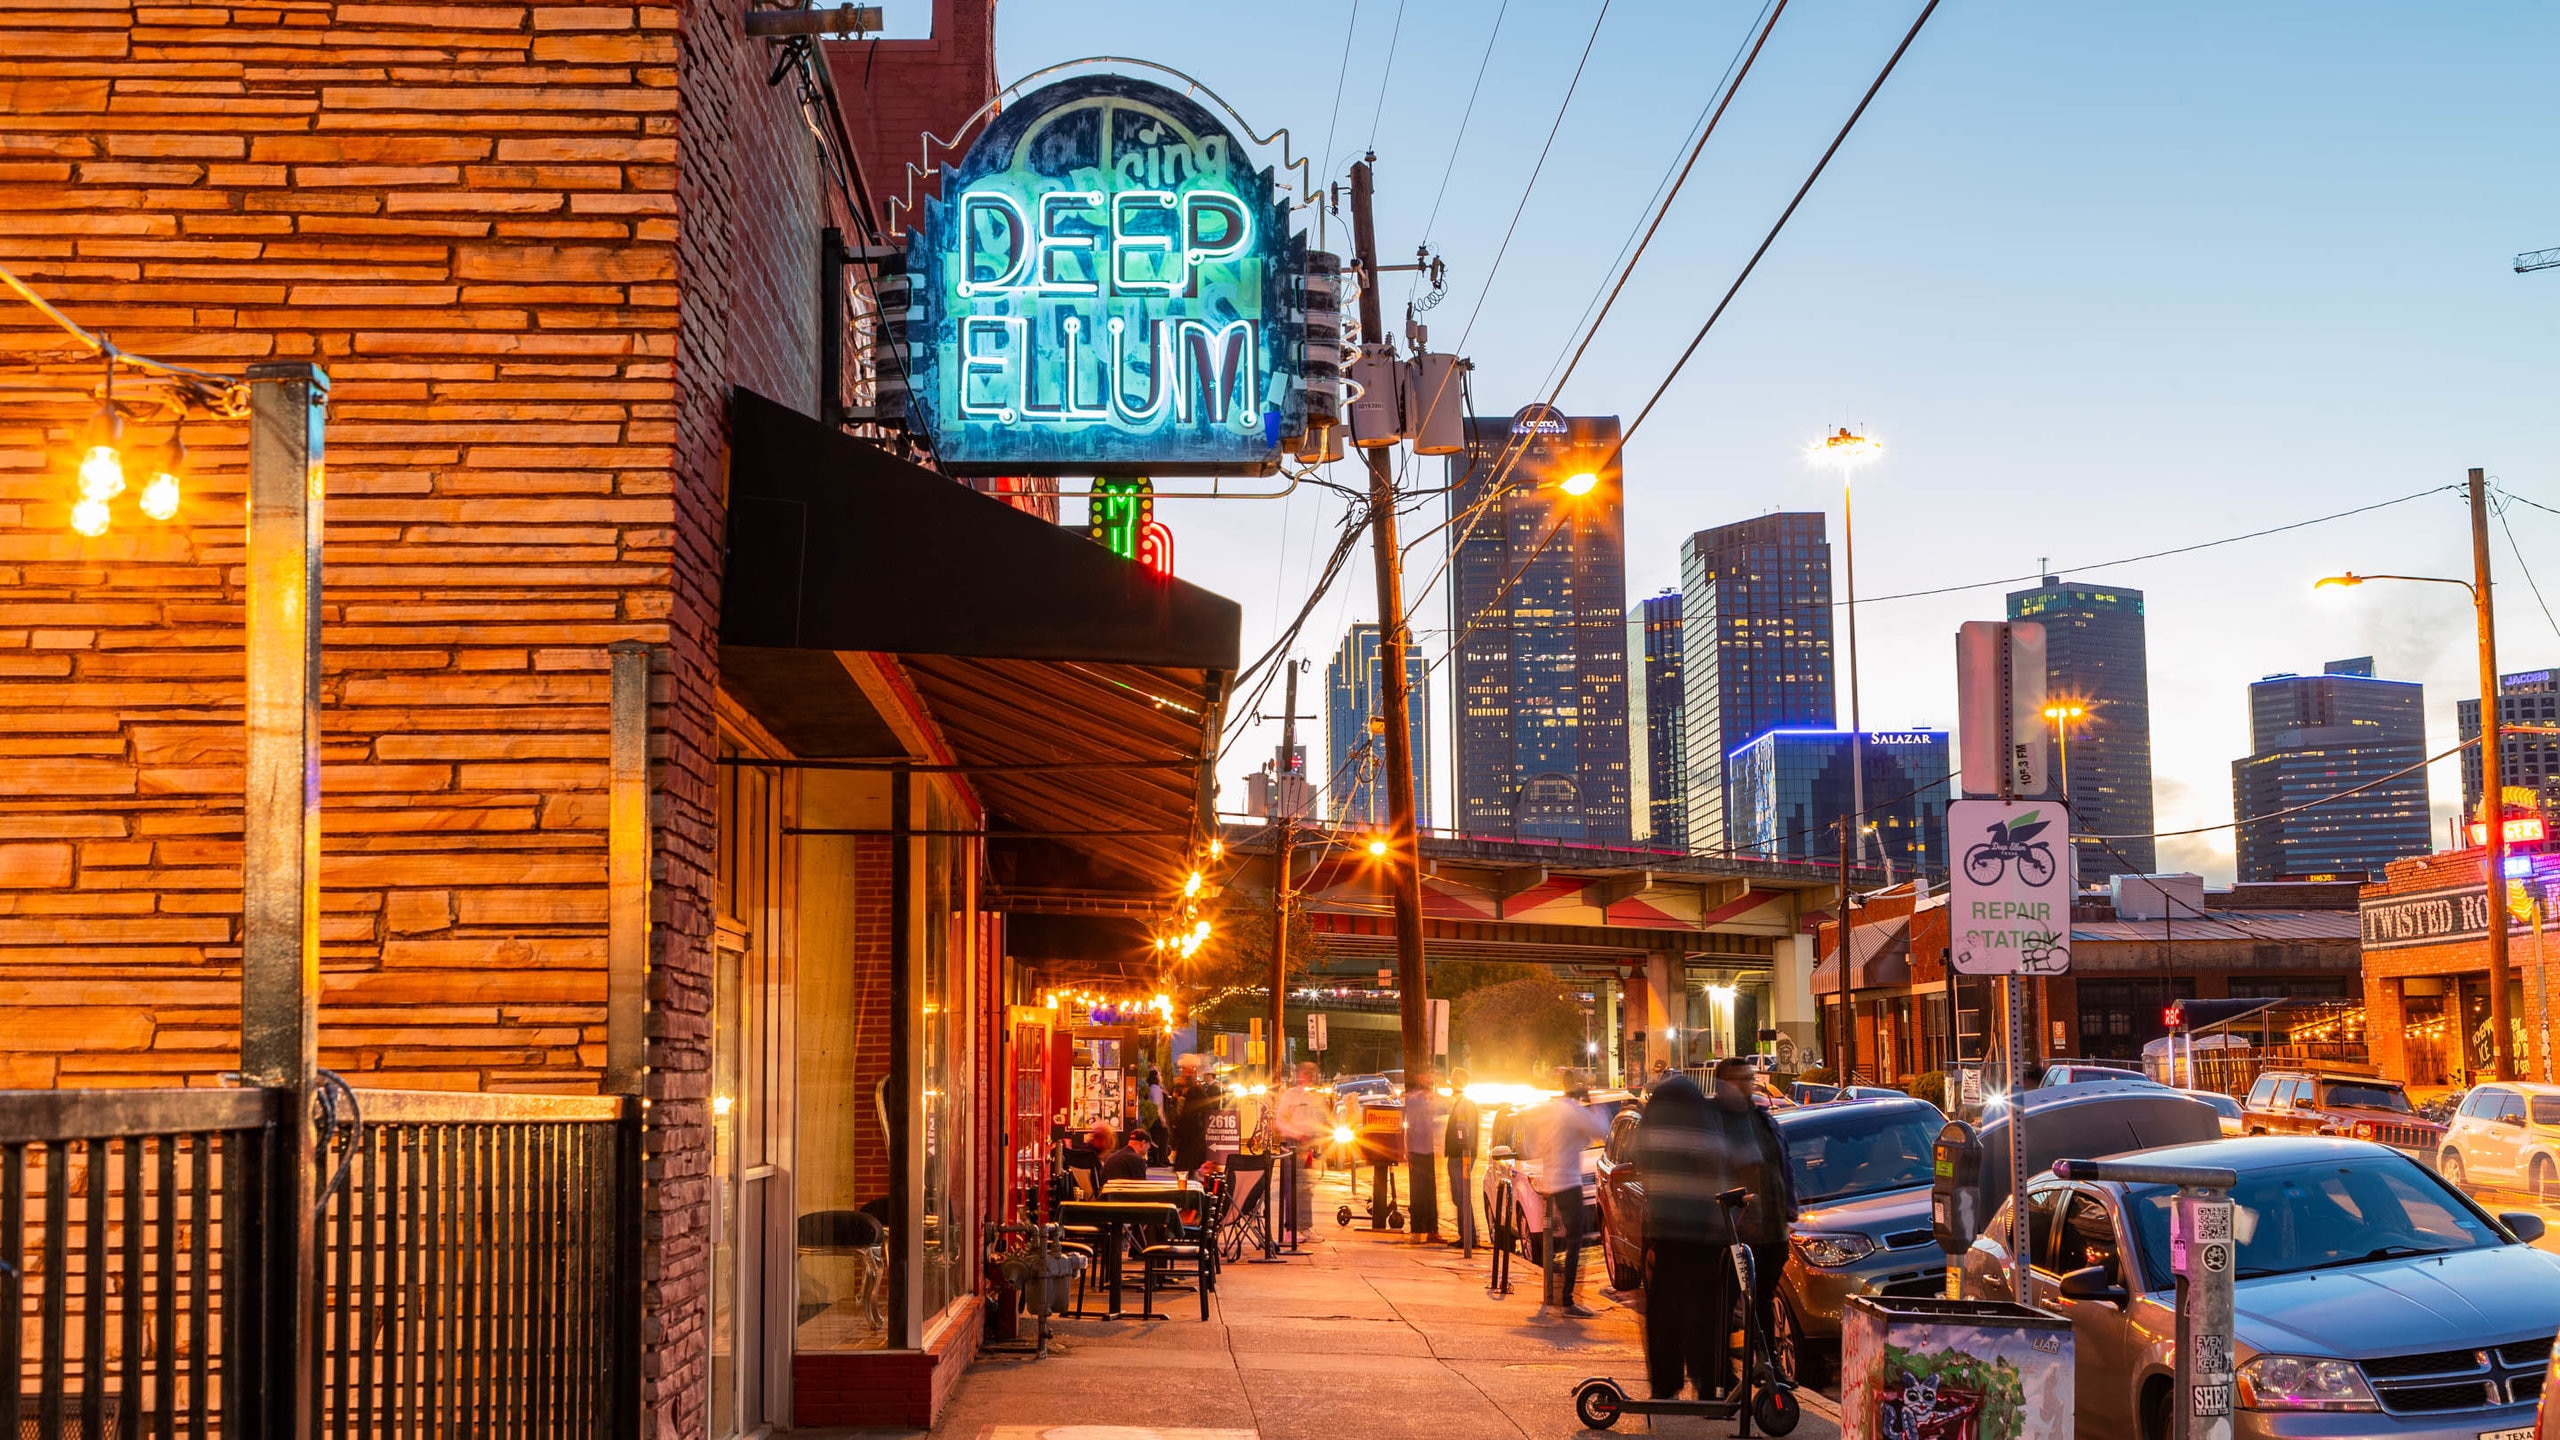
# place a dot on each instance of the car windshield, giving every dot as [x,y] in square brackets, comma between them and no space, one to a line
[1841,1154]
[2369,1097]
[2318,1216]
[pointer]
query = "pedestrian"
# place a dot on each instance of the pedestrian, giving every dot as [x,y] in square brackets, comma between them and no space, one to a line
[1151,1111]
[1552,1136]
[1688,1282]
[1423,1120]
[1458,1150]
[1195,1100]
[1304,1121]
[1129,1162]
[1756,1160]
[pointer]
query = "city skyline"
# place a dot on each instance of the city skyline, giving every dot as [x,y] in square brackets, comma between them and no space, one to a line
[2097,663]
[1757,649]
[1355,793]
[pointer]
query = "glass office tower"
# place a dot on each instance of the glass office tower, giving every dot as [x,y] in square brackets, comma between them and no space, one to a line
[2095,654]
[1790,788]
[1355,748]
[1657,724]
[1755,651]
[1538,625]
[2312,737]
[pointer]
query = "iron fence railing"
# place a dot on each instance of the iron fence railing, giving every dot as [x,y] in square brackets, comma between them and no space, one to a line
[476,1265]
[130,1283]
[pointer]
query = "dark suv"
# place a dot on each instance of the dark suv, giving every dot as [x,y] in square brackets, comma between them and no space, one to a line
[2364,1107]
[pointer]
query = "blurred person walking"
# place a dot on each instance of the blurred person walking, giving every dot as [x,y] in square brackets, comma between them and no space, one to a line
[1551,1137]
[1690,1149]
[1458,1148]
[1423,1121]
[1304,1121]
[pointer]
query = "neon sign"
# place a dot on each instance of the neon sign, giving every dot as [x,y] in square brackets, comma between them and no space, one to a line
[1105,287]
[2517,830]
[1120,516]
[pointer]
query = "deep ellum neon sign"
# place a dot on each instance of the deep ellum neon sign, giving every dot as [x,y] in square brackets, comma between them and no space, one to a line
[1103,287]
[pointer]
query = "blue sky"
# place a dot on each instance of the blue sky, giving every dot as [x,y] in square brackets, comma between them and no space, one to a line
[2105,279]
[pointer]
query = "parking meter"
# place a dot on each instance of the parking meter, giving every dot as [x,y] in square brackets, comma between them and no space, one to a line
[1955,1186]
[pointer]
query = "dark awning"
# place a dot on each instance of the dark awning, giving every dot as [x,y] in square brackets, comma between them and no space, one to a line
[834,544]
[1081,693]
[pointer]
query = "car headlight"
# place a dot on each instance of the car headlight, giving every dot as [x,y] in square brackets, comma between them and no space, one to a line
[2303,1382]
[1832,1251]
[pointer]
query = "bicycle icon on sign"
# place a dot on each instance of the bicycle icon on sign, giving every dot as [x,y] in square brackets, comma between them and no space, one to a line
[2012,841]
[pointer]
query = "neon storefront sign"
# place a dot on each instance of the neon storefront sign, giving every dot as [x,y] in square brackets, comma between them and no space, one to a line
[1104,286]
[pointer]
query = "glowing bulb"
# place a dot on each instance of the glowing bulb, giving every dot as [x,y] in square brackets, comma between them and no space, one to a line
[89,517]
[1191,886]
[1202,932]
[721,1104]
[1378,847]
[1342,1135]
[101,473]
[1217,847]
[1582,484]
[1847,451]
[160,497]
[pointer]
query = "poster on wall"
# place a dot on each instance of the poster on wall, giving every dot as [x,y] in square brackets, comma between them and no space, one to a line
[1107,286]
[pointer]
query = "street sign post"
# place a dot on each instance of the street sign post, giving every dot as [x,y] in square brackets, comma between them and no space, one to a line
[2009,892]
[2000,698]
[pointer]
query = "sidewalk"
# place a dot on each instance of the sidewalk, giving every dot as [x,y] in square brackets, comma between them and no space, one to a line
[1365,1335]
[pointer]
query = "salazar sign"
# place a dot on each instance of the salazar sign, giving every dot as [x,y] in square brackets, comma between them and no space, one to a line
[1105,286]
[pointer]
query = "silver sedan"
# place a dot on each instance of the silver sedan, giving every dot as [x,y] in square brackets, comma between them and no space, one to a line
[2373,1298]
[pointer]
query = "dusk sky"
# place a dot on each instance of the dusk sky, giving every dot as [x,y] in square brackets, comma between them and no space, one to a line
[2105,280]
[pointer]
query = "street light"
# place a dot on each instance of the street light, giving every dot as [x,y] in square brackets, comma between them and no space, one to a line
[1848,452]
[1579,485]
[2493,831]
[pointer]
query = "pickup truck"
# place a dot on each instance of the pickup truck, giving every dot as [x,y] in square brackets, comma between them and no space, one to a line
[2361,1107]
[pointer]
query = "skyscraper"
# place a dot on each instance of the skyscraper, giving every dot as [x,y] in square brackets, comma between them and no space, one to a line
[2095,654]
[1355,749]
[1657,722]
[1788,790]
[2525,760]
[1755,650]
[2313,736]
[1537,615]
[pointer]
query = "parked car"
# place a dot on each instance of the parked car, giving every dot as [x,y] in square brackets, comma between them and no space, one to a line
[2506,1134]
[1805,1093]
[2083,1072]
[1861,1174]
[2372,1298]
[2365,1107]
[1506,1170]
[2234,1122]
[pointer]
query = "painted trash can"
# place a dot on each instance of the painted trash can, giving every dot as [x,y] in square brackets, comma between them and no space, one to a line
[1924,1369]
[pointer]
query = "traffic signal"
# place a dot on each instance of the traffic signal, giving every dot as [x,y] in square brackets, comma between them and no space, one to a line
[2175,1017]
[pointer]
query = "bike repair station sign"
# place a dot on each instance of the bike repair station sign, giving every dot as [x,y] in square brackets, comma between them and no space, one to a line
[2009,902]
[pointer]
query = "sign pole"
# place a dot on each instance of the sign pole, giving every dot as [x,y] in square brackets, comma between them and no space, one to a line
[2013,1000]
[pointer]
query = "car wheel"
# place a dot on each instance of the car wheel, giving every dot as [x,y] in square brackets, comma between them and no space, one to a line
[1624,1279]
[2545,1181]
[2451,1169]
[2155,1410]
[1786,1342]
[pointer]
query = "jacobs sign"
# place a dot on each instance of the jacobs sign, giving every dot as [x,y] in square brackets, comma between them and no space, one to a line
[1105,287]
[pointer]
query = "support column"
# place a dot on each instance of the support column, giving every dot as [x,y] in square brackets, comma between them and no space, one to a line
[1791,1007]
[280,871]
[1662,1011]
[626,985]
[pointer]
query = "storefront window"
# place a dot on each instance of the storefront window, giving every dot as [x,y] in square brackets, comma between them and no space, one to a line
[841,1190]
[944,975]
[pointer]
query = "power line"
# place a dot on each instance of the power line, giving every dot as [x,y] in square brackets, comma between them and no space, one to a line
[2523,568]
[2457,748]
[2158,554]
[1386,75]
[1789,213]
[1340,75]
[1464,117]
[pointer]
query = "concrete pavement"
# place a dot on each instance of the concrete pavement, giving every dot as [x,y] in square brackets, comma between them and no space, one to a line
[1365,1335]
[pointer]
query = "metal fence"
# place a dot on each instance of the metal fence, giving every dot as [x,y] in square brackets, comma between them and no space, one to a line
[476,1263]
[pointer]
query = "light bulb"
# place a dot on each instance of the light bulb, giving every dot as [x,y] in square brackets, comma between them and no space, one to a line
[1582,484]
[89,517]
[101,473]
[160,497]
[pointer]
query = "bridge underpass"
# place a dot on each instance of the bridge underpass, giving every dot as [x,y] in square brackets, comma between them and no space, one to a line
[1667,944]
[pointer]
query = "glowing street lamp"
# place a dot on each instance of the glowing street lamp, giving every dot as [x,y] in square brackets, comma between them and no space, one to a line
[2064,714]
[1848,452]
[1579,485]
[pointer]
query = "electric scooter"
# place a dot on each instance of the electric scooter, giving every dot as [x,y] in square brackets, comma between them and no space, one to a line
[1758,1394]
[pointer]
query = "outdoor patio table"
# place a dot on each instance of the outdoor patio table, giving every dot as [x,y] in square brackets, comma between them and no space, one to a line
[1112,1218]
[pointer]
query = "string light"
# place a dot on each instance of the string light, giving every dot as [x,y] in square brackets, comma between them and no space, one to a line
[102,467]
[160,496]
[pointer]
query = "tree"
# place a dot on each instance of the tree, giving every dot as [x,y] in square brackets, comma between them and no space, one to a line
[1237,960]
[1525,1026]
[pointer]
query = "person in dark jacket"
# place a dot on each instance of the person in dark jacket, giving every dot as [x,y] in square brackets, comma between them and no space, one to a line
[1691,1149]
[1195,1100]
[1129,1162]
[1458,1151]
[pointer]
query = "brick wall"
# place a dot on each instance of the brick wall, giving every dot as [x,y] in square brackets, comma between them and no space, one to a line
[533,245]
[897,91]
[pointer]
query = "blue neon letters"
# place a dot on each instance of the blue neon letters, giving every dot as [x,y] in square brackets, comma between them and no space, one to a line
[1103,288]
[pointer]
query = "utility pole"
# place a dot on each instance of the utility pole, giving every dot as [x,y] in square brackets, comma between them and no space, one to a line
[2493,813]
[1284,831]
[1404,871]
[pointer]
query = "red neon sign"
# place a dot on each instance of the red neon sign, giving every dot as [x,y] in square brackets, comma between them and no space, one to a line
[2522,830]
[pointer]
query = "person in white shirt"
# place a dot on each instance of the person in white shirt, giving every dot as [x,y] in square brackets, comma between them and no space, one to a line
[1552,1137]
[1303,1119]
